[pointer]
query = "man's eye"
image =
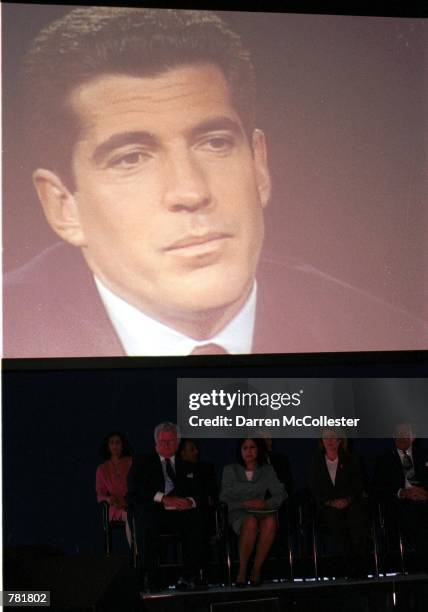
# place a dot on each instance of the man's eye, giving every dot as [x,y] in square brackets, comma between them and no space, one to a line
[128,160]
[218,144]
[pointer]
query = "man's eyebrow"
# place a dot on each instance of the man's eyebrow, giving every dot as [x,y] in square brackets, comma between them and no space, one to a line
[216,123]
[119,140]
[146,138]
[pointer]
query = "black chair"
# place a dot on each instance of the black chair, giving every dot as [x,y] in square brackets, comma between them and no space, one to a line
[109,527]
[216,537]
[321,537]
[391,537]
[302,533]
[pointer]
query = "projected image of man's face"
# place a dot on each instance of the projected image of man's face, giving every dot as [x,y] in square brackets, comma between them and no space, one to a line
[169,192]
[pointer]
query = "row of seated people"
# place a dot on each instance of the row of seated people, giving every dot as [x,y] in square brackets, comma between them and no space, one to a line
[170,490]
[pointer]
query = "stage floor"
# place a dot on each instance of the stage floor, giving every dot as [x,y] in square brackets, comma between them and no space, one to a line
[391,592]
[95,583]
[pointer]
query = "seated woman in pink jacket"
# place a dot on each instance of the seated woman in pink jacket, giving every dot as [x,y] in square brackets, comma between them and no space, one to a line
[112,474]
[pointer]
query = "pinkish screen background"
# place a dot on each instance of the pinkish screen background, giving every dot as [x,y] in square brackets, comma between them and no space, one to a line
[343,103]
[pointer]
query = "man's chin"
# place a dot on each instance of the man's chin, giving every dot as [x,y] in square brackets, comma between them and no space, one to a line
[190,303]
[208,298]
[204,309]
[202,315]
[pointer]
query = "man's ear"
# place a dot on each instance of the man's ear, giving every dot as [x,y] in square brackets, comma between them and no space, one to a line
[261,166]
[59,206]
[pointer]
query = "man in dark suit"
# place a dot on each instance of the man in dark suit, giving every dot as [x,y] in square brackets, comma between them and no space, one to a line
[164,495]
[189,451]
[401,481]
[150,163]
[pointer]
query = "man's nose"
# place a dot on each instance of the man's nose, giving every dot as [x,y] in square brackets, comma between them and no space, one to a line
[186,184]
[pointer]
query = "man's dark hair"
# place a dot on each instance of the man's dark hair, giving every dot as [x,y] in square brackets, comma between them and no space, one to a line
[185,441]
[91,41]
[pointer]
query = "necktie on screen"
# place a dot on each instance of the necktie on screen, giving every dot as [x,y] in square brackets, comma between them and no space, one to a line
[209,349]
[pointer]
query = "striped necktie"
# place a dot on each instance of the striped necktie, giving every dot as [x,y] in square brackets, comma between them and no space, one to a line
[408,467]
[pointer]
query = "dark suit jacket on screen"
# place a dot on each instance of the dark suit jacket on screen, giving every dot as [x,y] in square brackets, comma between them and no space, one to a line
[52,309]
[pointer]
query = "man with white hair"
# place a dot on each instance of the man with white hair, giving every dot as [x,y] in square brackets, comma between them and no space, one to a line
[164,495]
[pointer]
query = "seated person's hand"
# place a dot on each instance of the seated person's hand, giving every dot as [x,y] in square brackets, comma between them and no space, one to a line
[339,503]
[116,501]
[415,493]
[120,503]
[254,504]
[176,503]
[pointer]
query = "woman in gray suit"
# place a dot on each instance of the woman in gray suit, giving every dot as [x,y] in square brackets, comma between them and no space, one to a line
[253,494]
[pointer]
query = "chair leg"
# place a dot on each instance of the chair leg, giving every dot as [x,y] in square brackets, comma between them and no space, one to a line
[228,560]
[315,550]
[222,528]
[108,540]
[291,561]
[135,551]
[290,552]
[402,552]
[107,529]
[375,548]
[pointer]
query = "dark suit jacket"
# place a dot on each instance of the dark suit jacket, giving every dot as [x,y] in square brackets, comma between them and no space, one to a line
[145,479]
[208,479]
[389,474]
[52,309]
[348,482]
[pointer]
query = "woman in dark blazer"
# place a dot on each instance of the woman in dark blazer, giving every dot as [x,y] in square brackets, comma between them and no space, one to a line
[337,485]
[245,487]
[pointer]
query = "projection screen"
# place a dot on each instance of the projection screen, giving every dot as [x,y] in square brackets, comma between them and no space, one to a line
[182,183]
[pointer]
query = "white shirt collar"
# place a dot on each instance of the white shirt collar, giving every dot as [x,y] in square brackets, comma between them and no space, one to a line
[408,452]
[141,335]
[172,459]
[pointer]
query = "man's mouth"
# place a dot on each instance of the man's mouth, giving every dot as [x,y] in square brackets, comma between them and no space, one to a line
[198,245]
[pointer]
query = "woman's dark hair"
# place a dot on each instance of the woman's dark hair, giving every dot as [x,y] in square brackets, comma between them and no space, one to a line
[261,450]
[126,447]
[183,443]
